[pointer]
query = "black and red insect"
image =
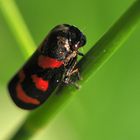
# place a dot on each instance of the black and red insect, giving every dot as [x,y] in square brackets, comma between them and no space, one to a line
[53,63]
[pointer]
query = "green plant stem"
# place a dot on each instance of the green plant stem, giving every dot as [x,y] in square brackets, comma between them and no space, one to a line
[91,63]
[18,27]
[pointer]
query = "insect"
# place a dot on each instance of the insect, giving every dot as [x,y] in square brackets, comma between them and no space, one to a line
[53,63]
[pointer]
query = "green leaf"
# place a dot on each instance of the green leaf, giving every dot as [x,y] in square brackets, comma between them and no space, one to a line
[111,41]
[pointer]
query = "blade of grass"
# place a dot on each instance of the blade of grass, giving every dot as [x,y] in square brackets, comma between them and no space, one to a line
[18,27]
[89,65]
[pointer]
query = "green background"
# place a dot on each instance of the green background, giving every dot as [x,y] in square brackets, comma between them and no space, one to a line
[108,106]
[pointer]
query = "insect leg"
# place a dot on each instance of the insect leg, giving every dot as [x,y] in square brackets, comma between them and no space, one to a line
[72,73]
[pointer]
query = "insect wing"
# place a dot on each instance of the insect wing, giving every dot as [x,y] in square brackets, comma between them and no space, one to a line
[34,83]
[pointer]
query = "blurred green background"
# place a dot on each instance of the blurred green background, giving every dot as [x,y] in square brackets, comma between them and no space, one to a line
[108,106]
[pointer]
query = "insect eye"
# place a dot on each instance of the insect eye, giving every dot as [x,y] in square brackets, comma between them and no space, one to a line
[82,40]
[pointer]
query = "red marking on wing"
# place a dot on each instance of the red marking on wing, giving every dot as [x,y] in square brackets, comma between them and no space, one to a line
[40,83]
[47,62]
[25,98]
[21,94]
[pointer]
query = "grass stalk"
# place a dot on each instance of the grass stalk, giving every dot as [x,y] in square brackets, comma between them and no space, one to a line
[18,27]
[100,53]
